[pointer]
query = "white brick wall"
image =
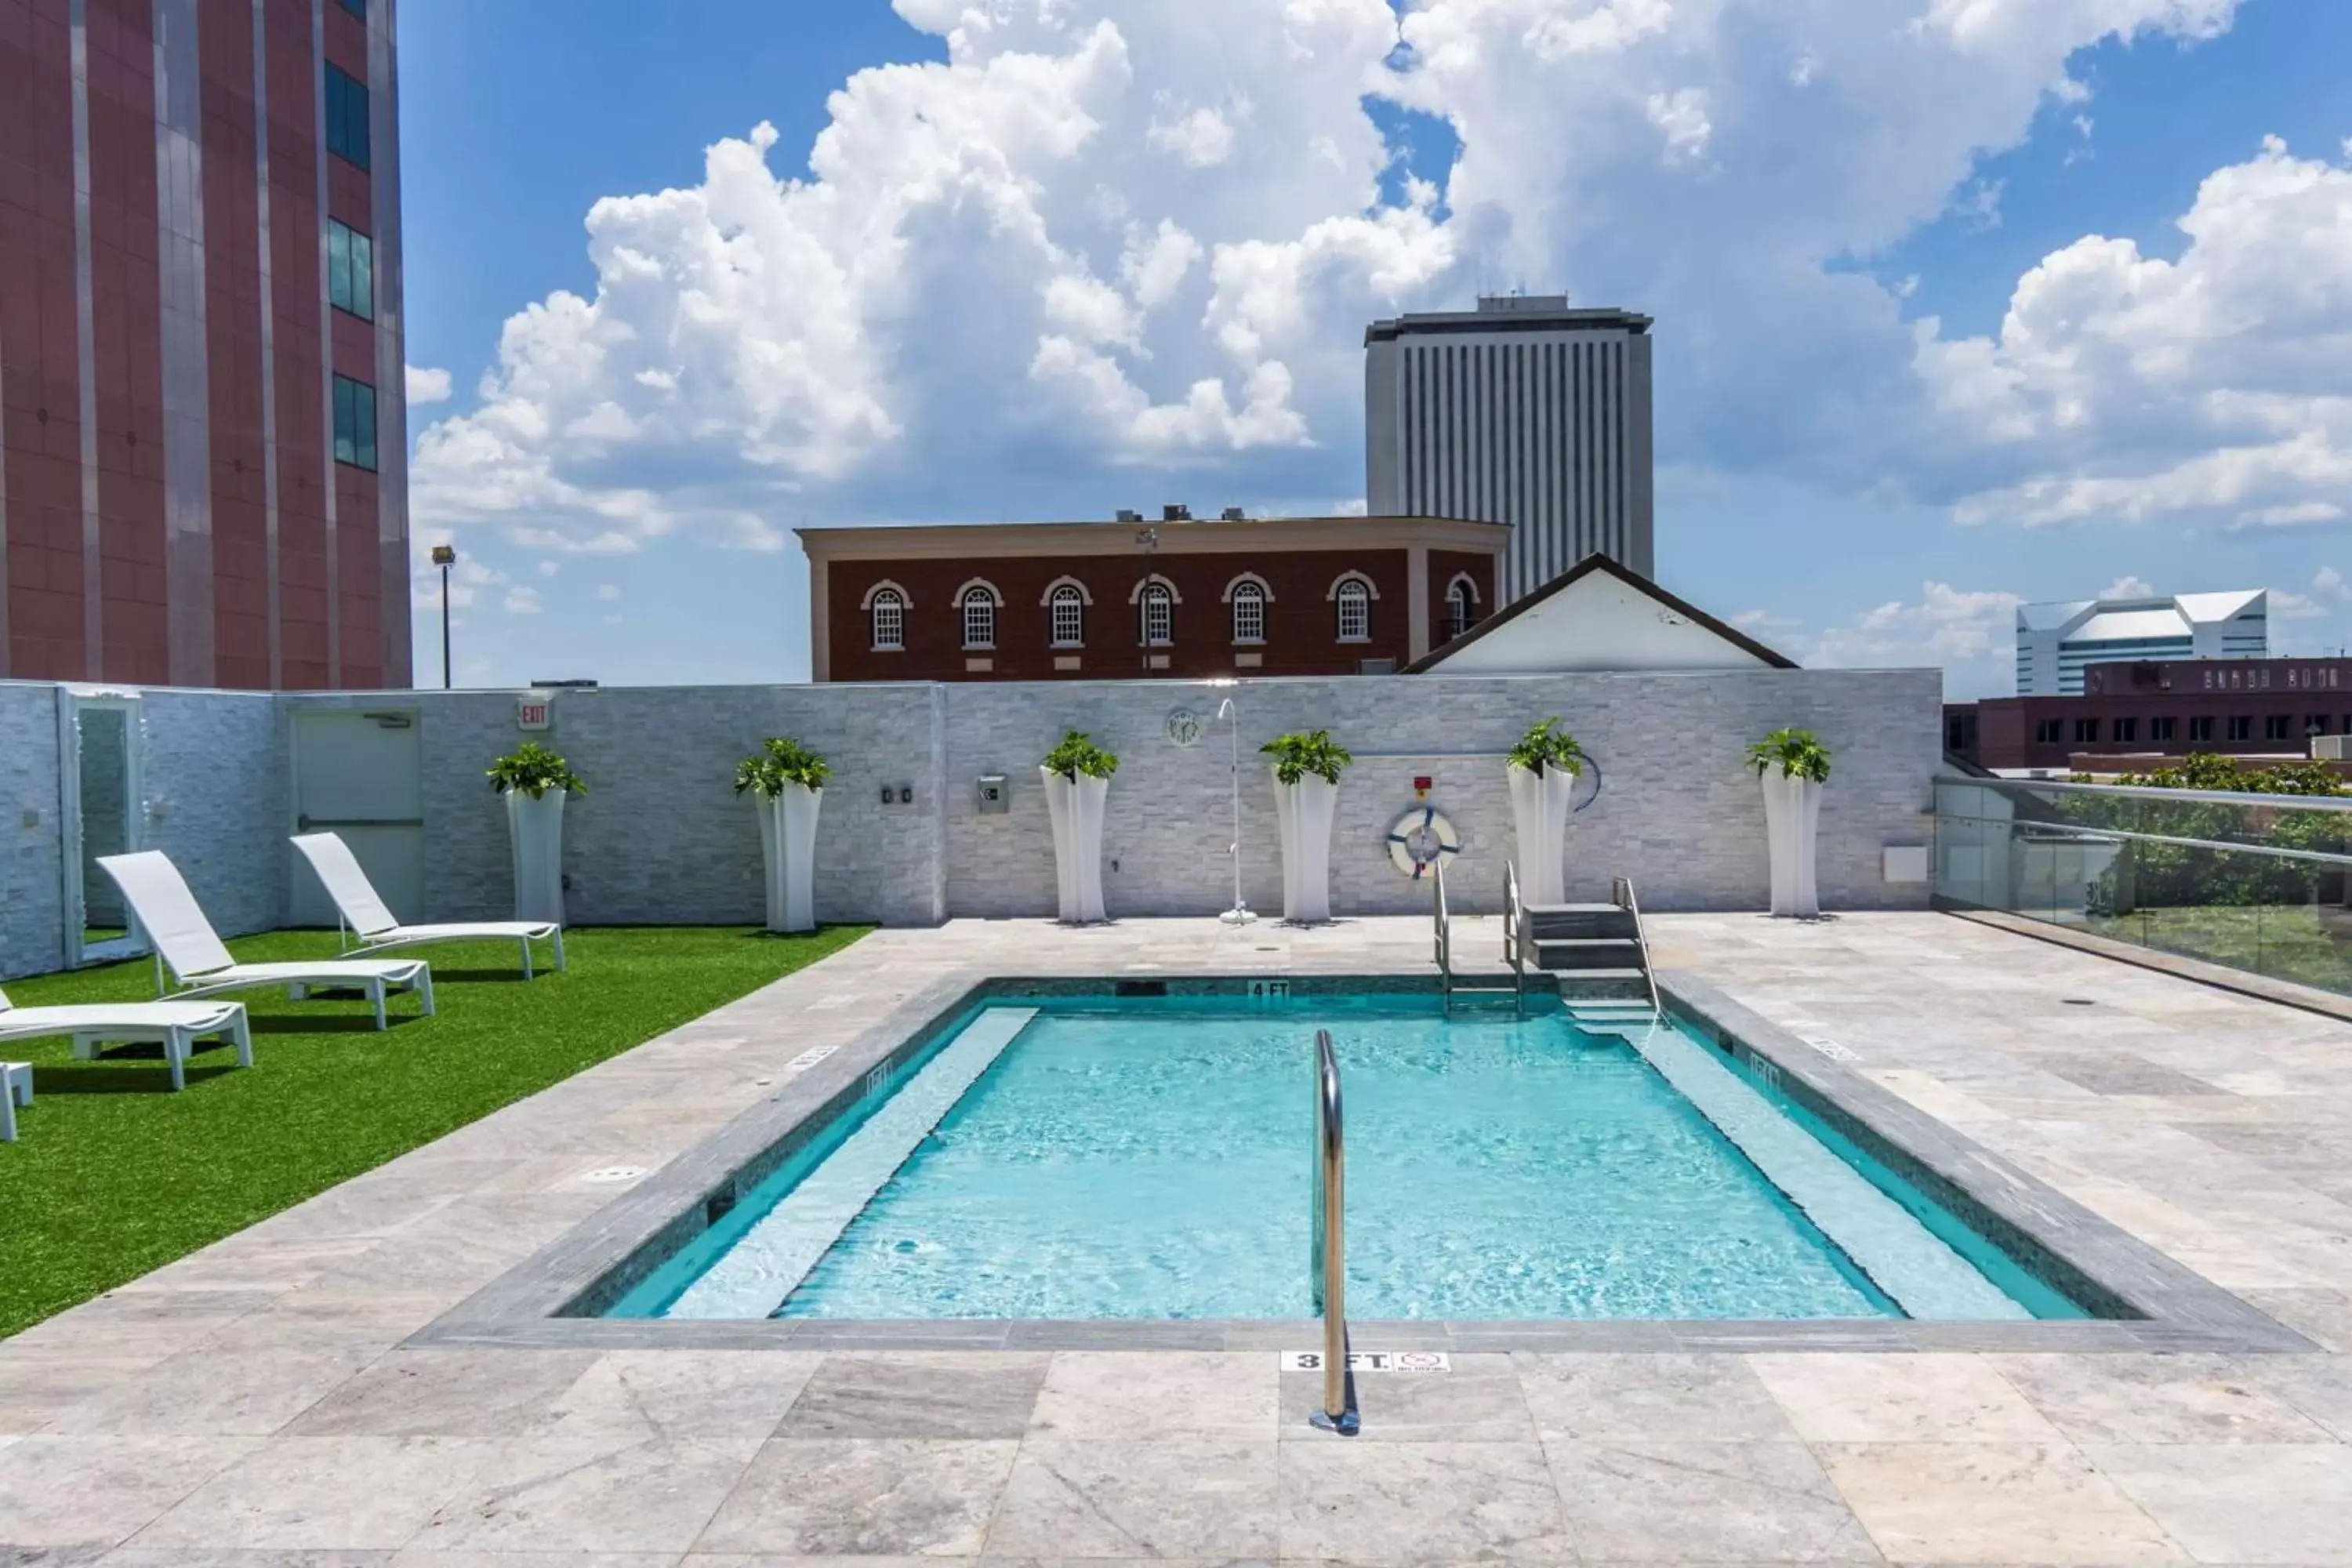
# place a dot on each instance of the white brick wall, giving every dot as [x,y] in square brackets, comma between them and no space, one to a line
[662,838]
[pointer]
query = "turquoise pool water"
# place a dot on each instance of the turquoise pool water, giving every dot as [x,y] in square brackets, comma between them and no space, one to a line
[1096,1159]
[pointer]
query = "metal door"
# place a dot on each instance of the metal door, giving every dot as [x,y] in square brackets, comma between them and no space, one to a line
[360,775]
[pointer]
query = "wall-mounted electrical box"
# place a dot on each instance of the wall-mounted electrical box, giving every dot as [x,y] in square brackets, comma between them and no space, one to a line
[994,799]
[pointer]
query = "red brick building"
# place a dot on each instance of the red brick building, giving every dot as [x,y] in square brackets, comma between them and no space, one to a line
[1077,601]
[2237,707]
[202,430]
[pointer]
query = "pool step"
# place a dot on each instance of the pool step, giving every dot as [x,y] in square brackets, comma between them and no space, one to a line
[1563,953]
[1580,922]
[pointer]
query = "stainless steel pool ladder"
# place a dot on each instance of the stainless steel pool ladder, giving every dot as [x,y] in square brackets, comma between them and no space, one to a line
[1448,982]
[1327,1265]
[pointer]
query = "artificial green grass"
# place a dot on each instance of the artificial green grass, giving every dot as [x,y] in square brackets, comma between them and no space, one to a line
[113,1174]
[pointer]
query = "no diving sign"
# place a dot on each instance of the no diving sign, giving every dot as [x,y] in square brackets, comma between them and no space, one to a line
[1371,1361]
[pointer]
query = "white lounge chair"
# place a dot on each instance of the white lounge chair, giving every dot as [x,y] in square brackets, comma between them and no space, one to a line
[15,1090]
[184,939]
[365,915]
[175,1026]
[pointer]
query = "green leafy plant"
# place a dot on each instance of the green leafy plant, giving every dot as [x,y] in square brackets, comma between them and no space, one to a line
[1798,753]
[1547,746]
[533,770]
[781,760]
[1296,755]
[2168,867]
[1076,753]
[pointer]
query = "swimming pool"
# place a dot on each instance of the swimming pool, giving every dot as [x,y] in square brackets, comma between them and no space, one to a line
[1087,1157]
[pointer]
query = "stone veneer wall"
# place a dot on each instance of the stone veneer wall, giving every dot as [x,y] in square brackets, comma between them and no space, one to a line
[662,838]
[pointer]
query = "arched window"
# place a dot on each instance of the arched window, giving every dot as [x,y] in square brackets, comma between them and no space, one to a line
[888,609]
[1461,606]
[1354,601]
[1068,605]
[978,603]
[1249,612]
[1156,614]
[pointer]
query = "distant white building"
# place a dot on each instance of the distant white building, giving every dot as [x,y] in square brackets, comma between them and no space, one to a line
[2054,642]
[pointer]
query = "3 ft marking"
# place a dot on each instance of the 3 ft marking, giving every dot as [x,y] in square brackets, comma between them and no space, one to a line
[809,1058]
[1371,1361]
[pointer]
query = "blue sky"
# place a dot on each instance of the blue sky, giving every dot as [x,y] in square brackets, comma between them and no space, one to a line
[1020,258]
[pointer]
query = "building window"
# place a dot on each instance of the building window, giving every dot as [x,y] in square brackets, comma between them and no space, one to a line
[2278,727]
[2128,730]
[888,609]
[347,117]
[351,271]
[979,606]
[2049,731]
[2086,732]
[1159,616]
[354,422]
[2161,728]
[2316,724]
[1069,615]
[1457,611]
[357,9]
[2200,730]
[1247,595]
[1354,611]
[2242,727]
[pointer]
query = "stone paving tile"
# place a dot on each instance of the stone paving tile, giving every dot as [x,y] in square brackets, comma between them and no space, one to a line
[2319,1386]
[919,1393]
[1164,1393]
[1480,1401]
[1703,1502]
[2245,1504]
[578,1493]
[1661,1398]
[36,1390]
[2158,1398]
[321,1493]
[1420,1503]
[635,1396]
[446,1392]
[1992,1502]
[1846,1399]
[424,1557]
[96,1491]
[893,1497]
[158,1557]
[1180,1498]
[206,1393]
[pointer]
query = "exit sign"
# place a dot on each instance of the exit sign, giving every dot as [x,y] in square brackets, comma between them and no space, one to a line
[533,712]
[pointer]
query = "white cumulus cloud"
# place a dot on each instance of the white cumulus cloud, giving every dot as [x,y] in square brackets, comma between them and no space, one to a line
[426,385]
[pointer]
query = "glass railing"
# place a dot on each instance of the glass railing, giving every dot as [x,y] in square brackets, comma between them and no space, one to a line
[2254,882]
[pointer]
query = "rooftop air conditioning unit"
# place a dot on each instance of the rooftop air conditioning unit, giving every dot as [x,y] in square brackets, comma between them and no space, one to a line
[2332,748]
[1175,514]
[1236,514]
[1129,514]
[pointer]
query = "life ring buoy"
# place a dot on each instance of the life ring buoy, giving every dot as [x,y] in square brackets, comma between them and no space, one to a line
[1421,839]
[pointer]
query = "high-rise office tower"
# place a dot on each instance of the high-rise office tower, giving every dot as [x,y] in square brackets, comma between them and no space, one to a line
[1522,411]
[202,429]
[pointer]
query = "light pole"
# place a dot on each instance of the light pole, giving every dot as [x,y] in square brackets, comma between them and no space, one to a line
[1239,914]
[444,556]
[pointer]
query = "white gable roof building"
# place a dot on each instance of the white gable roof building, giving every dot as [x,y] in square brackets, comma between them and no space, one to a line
[2056,642]
[1599,616]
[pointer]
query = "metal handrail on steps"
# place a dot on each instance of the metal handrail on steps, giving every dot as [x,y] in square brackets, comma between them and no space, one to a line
[1621,893]
[1327,1262]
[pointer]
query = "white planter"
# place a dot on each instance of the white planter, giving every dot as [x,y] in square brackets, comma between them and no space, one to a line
[535,828]
[1077,809]
[1540,803]
[1792,814]
[788,854]
[1305,811]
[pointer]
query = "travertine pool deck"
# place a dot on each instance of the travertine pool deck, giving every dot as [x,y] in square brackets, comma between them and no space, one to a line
[259,1402]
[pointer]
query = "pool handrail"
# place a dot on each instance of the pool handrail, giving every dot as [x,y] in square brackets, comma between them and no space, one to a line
[1621,893]
[1328,1273]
